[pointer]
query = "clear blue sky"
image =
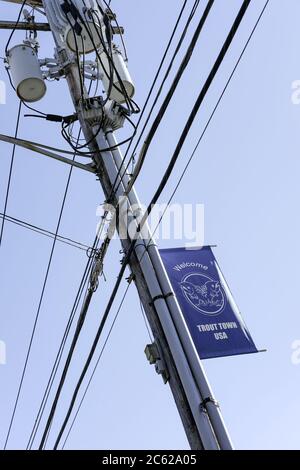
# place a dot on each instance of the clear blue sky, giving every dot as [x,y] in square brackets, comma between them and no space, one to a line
[246,172]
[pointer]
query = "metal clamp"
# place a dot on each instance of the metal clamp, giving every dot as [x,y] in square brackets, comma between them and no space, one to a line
[159,297]
[207,400]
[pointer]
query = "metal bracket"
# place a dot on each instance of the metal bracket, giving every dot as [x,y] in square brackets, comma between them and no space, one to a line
[203,404]
[42,150]
[24,26]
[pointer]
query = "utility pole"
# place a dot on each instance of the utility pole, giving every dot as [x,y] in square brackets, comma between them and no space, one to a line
[198,409]
[173,349]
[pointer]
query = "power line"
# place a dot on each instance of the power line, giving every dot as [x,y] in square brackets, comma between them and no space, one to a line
[211,116]
[159,190]
[10,172]
[84,280]
[84,310]
[98,270]
[197,105]
[200,26]
[167,100]
[15,27]
[46,233]
[97,364]
[170,66]
[39,306]
[156,77]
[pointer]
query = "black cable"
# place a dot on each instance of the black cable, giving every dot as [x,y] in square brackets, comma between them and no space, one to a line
[118,26]
[97,364]
[199,101]
[46,430]
[15,27]
[75,338]
[39,306]
[42,231]
[58,358]
[155,81]
[170,93]
[178,47]
[161,186]
[210,119]
[147,100]
[54,404]
[90,154]
[80,323]
[66,332]
[10,172]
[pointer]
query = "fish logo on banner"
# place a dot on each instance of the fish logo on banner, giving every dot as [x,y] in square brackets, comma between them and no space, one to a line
[211,314]
[204,293]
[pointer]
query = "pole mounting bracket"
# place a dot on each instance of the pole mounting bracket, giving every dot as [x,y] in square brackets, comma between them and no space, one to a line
[155,356]
[207,400]
[159,297]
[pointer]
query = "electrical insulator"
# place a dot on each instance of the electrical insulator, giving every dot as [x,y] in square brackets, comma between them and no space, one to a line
[121,77]
[26,73]
[79,23]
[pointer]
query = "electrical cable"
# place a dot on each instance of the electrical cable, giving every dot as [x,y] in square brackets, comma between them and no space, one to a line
[47,233]
[80,323]
[46,432]
[15,27]
[85,277]
[39,307]
[118,26]
[10,172]
[160,67]
[170,94]
[194,8]
[97,364]
[209,120]
[159,190]
[58,358]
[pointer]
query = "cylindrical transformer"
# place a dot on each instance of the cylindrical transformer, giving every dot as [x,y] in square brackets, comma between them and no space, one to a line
[26,74]
[121,77]
[79,22]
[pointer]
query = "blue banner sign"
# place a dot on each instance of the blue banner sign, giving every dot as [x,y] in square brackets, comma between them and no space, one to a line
[211,314]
